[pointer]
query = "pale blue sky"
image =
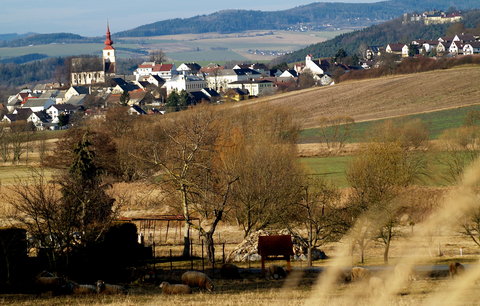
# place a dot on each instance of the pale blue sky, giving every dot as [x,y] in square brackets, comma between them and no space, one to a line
[88,17]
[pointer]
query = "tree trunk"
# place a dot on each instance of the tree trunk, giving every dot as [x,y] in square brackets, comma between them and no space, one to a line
[387,244]
[362,254]
[210,247]
[310,247]
[385,253]
[186,240]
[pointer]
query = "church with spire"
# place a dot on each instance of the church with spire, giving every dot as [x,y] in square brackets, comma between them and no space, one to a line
[89,71]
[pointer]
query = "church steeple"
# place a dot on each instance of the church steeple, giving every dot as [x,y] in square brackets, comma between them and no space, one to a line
[108,40]
[109,54]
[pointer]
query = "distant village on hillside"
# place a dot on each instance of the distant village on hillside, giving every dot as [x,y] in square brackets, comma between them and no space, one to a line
[156,87]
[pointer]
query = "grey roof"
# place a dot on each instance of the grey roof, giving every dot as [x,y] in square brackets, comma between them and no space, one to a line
[43,116]
[37,102]
[66,107]
[77,100]
[81,90]
[23,113]
[251,82]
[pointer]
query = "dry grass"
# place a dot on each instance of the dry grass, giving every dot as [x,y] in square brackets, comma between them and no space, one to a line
[382,98]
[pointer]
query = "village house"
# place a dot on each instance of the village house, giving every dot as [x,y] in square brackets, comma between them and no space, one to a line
[471,48]
[288,74]
[38,104]
[235,95]
[61,109]
[398,49]
[316,67]
[255,87]
[40,120]
[76,91]
[189,69]
[165,71]
[221,78]
[372,52]
[188,83]
[55,94]
[456,48]
[443,47]
[21,114]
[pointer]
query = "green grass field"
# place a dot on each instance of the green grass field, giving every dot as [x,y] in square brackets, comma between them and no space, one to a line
[333,169]
[437,122]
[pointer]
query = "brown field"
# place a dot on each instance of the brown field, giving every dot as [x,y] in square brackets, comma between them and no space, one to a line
[383,97]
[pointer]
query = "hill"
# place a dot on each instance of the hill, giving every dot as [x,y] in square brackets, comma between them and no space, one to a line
[43,39]
[383,97]
[317,15]
[379,35]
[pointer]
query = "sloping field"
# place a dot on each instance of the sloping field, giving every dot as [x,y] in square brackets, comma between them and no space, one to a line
[383,97]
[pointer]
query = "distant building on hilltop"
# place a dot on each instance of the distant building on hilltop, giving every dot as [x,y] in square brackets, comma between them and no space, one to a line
[88,71]
[433,17]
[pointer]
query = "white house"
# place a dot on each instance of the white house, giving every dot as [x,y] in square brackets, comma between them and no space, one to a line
[221,78]
[39,119]
[471,48]
[155,80]
[254,87]
[56,110]
[189,69]
[188,83]
[165,71]
[400,49]
[443,46]
[291,73]
[38,104]
[315,66]
[76,91]
[456,48]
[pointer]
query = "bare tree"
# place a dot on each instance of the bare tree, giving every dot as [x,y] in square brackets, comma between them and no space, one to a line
[158,56]
[334,132]
[377,177]
[319,213]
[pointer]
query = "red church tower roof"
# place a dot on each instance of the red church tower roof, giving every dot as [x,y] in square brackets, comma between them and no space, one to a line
[108,40]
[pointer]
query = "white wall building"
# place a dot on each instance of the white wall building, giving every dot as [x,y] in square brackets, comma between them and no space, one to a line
[188,83]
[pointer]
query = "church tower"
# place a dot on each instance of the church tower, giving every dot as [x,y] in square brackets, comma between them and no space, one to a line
[109,66]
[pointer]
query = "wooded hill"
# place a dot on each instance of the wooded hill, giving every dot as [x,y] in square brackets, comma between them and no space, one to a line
[379,35]
[43,39]
[315,14]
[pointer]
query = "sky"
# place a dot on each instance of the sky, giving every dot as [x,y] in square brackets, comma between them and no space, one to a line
[88,17]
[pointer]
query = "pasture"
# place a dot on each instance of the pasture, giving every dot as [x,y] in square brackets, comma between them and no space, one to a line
[382,98]
[436,121]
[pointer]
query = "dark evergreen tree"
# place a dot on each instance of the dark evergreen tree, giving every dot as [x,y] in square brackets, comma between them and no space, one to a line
[83,194]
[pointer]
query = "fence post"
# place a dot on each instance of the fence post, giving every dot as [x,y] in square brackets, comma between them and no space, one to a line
[171,263]
[203,260]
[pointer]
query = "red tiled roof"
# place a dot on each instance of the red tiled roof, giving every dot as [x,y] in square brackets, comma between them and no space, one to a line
[162,67]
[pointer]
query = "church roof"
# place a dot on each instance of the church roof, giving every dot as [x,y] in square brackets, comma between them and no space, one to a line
[108,40]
